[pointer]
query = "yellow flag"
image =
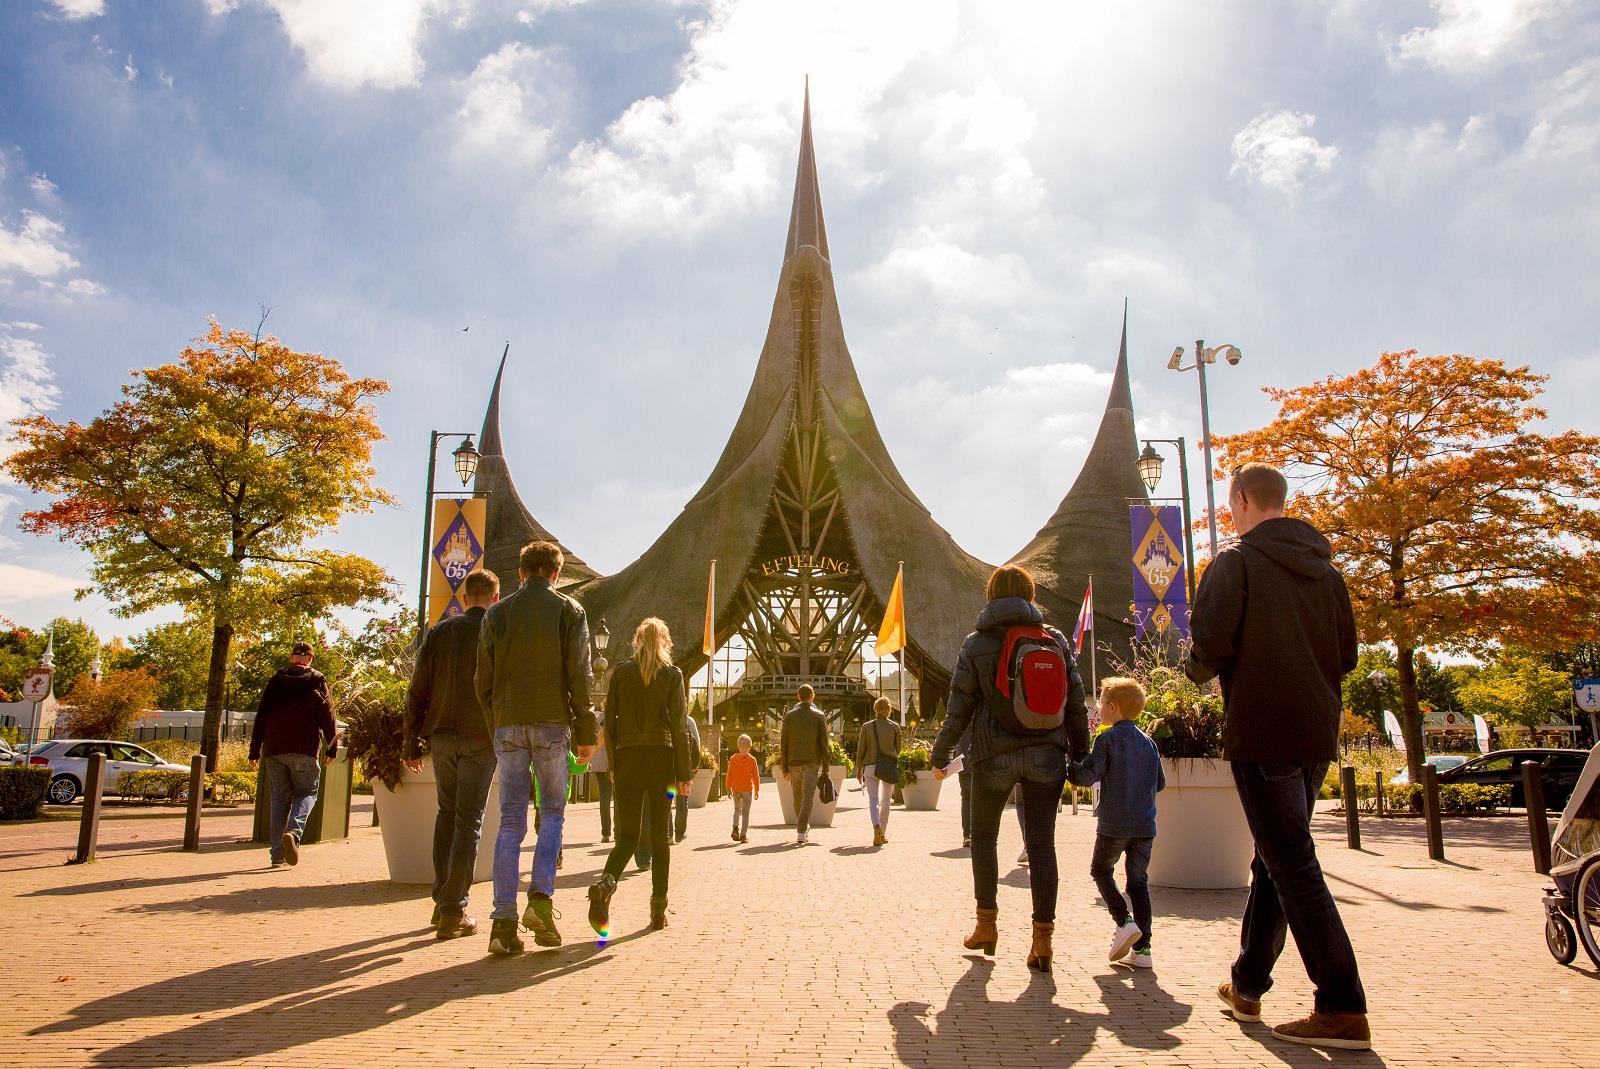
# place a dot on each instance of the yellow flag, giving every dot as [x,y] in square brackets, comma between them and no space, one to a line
[708,642]
[892,635]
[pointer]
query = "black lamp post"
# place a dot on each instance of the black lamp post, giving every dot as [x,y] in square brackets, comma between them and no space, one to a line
[466,463]
[600,638]
[1150,465]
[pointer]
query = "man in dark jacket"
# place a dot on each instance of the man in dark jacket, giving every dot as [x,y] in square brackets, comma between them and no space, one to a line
[293,717]
[533,681]
[442,707]
[802,756]
[1272,619]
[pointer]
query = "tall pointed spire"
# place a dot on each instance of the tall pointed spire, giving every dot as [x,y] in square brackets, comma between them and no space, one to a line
[805,218]
[489,437]
[1121,390]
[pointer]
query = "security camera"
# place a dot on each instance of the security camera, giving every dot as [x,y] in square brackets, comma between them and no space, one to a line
[1177,359]
[1231,354]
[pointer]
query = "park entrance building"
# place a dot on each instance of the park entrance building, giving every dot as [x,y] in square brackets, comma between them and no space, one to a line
[808,519]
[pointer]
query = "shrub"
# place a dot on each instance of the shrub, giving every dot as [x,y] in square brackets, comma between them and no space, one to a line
[235,786]
[1457,799]
[178,751]
[707,759]
[916,756]
[108,708]
[837,755]
[153,784]
[22,791]
[1183,719]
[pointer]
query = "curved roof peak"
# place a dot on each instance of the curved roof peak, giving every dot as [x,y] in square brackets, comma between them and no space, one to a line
[805,218]
[489,438]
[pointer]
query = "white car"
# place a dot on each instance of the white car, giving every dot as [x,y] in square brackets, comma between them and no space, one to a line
[1441,761]
[68,760]
[8,755]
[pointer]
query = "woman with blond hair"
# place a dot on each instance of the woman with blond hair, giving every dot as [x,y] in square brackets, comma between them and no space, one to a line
[878,766]
[649,758]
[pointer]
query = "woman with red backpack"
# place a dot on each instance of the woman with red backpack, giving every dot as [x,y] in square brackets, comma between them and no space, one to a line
[1016,686]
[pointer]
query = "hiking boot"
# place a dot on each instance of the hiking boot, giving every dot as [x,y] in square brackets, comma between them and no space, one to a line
[1239,1007]
[984,934]
[291,849]
[503,938]
[600,893]
[877,837]
[1140,958]
[1122,940]
[454,927]
[1341,1031]
[1039,953]
[966,842]
[658,913]
[540,919]
[434,922]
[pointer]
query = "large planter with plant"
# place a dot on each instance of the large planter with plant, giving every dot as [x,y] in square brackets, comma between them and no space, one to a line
[704,776]
[821,815]
[917,783]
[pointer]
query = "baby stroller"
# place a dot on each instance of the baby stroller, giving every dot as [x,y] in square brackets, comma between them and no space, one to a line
[1574,901]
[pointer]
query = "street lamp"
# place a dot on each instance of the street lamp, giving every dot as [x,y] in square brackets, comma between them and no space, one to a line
[1202,357]
[1150,464]
[466,460]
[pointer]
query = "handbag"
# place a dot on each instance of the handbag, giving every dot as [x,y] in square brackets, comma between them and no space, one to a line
[885,767]
[825,792]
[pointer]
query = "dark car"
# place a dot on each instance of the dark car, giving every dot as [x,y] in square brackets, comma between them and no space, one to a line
[1558,771]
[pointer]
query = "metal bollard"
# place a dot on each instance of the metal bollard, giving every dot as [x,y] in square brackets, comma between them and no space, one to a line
[1430,811]
[89,824]
[1379,796]
[197,791]
[1538,819]
[1352,818]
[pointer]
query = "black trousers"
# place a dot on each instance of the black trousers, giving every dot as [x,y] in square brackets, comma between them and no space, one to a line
[643,771]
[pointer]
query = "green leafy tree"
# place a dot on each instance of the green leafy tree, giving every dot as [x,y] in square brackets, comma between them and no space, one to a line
[178,654]
[208,484]
[75,647]
[1518,691]
[19,651]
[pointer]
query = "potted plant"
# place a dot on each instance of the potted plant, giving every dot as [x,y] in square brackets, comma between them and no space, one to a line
[705,774]
[916,776]
[1203,840]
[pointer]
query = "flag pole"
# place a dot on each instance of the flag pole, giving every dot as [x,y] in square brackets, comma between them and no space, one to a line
[1094,682]
[900,575]
[711,653]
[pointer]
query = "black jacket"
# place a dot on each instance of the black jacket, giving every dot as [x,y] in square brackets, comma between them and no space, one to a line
[641,714]
[805,738]
[533,661]
[967,712]
[441,696]
[295,712]
[1272,617]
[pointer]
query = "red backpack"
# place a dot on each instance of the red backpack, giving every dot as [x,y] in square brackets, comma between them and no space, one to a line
[1032,682]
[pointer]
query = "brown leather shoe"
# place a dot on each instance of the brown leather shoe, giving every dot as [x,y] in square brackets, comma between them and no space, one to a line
[1239,1007]
[1039,954]
[1342,1031]
[985,934]
[455,927]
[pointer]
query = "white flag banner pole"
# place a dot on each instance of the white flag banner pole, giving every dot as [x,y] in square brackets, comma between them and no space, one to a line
[1391,727]
[1483,732]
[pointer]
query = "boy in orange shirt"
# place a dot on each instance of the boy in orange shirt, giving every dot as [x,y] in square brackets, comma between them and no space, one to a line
[744,783]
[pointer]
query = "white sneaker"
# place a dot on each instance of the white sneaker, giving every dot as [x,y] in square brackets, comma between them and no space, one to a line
[1022,858]
[1140,959]
[1122,942]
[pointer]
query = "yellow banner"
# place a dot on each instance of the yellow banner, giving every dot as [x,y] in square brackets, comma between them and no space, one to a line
[892,635]
[458,529]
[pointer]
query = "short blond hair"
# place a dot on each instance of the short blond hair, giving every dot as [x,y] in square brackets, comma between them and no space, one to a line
[882,705]
[743,740]
[1124,693]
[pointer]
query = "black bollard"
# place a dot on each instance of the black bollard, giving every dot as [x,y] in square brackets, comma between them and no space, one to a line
[197,794]
[89,824]
[1430,811]
[1538,819]
[1352,818]
[1379,796]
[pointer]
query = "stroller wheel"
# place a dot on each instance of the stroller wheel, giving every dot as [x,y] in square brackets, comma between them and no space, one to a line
[1560,938]
[1586,908]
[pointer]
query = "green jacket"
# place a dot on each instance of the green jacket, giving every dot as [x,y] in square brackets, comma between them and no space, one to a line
[533,662]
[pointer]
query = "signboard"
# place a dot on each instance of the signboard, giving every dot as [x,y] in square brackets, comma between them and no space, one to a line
[815,562]
[458,529]
[1586,693]
[1160,582]
[36,684]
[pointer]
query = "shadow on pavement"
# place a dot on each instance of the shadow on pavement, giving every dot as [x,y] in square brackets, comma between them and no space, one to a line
[267,898]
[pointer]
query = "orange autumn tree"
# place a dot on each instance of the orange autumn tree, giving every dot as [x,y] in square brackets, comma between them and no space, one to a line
[207,485]
[1457,526]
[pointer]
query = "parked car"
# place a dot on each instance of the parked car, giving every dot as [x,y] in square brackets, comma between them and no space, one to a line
[68,761]
[1558,771]
[1441,761]
[8,756]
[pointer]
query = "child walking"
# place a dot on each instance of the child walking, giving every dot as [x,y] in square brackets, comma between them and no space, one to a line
[1126,765]
[744,783]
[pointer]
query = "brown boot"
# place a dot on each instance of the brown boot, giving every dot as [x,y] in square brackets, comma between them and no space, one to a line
[1039,953]
[658,913]
[984,935]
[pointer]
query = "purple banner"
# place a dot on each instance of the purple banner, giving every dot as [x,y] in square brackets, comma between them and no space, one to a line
[1160,576]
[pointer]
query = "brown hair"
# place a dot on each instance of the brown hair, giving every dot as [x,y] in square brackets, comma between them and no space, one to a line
[805,693]
[1126,694]
[1262,485]
[1010,581]
[541,558]
[481,584]
[882,707]
[300,649]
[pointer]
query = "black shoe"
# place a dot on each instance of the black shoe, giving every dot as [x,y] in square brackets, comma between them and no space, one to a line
[540,919]
[600,893]
[644,866]
[503,938]
[291,849]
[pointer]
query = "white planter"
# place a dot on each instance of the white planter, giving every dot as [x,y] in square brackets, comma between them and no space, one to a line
[923,794]
[406,817]
[821,815]
[1202,840]
[701,790]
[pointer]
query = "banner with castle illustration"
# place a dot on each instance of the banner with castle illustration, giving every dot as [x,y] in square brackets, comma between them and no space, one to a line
[458,528]
[1160,584]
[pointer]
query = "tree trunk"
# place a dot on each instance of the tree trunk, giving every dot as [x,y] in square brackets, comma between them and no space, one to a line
[1410,712]
[216,681]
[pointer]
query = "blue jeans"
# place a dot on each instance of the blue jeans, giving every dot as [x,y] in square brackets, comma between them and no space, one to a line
[1042,772]
[1135,853]
[1288,891]
[544,747]
[463,768]
[294,778]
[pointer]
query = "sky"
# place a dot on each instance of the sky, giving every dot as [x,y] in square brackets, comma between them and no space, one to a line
[606,185]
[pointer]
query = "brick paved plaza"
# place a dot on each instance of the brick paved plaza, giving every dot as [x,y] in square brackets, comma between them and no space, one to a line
[834,954]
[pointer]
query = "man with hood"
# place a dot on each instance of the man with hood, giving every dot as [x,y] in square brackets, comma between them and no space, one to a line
[293,718]
[1272,619]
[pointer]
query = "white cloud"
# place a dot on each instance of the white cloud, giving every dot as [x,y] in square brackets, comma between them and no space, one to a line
[37,248]
[1470,33]
[42,187]
[1277,150]
[80,9]
[355,43]
[130,73]
[28,584]
[924,265]
[505,105]
[530,14]
[84,287]
[26,383]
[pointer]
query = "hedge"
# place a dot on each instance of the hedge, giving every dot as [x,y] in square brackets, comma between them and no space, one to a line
[174,786]
[22,791]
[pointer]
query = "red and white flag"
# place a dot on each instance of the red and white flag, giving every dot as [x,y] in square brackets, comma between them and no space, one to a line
[1085,617]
